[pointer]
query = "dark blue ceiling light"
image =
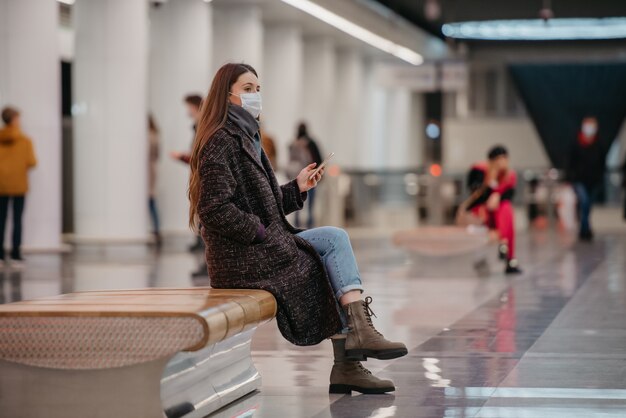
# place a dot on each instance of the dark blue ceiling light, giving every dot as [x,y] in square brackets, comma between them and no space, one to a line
[538,29]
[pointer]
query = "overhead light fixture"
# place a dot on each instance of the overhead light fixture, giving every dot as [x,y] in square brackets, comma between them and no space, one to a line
[357,31]
[539,29]
[68,2]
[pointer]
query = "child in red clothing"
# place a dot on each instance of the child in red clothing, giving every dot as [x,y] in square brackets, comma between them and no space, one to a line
[493,186]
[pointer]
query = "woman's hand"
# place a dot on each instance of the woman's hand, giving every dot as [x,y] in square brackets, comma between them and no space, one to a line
[180,156]
[175,155]
[303,178]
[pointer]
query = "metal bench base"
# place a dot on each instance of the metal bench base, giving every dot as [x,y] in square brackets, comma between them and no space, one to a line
[190,384]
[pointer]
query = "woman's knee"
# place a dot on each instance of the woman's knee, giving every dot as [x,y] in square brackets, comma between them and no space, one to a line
[336,234]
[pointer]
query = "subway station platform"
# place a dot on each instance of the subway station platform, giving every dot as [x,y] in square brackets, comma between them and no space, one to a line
[549,343]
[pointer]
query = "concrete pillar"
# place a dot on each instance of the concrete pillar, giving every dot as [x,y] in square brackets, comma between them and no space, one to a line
[393,123]
[110,94]
[404,129]
[281,85]
[350,110]
[30,81]
[180,58]
[319,89]
[238,35]
[372,153]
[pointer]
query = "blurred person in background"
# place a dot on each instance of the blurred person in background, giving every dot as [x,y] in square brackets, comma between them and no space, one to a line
[153,159]
[492,184]
[235,197]
[624,185]
[193,102]
[17,157]
[302,152]
[586,173]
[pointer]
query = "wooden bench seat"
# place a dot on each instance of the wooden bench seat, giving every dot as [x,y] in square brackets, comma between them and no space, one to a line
[130,353]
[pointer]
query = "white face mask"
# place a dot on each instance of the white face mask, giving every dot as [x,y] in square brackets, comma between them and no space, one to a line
[251,102]
[589,129]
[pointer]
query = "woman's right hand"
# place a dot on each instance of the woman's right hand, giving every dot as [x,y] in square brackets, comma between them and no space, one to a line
[305,183]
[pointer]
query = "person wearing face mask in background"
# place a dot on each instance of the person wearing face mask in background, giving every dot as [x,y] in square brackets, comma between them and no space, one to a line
[586,172]
[235,197]
[492,184]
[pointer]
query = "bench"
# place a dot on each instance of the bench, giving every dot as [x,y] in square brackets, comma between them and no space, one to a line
[149,353]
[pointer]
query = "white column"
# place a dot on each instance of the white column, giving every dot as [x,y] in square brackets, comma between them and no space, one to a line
[319,90]
[180,56]
[416,129]
[403,139]
[110,89]
[349,110]
[281,84]
[393,124]
[238,35]
[372,153]
[30,81]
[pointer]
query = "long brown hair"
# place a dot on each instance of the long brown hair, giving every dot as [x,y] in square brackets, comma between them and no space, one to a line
[213,115]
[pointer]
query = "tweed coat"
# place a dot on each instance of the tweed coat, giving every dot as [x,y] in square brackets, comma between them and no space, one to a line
[238,190]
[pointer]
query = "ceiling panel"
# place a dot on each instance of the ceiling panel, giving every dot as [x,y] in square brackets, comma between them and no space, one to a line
[463,10]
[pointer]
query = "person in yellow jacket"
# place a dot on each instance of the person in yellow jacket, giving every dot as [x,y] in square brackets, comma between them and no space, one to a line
[16,158]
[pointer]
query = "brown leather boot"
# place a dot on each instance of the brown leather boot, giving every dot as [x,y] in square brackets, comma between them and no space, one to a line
[364,340]
[348,376]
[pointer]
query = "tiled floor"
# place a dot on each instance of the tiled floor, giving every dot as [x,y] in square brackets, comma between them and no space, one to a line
[550,343]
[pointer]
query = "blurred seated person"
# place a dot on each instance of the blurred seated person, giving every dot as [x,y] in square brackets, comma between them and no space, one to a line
[492,184]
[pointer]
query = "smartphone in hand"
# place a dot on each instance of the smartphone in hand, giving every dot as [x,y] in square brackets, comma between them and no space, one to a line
[322,165]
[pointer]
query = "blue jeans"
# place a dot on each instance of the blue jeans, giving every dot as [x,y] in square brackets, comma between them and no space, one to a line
[154,215]
[586,197]
[18,210]
[333,245]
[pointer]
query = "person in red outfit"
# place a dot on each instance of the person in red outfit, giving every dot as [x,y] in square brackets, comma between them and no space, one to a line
[493,186]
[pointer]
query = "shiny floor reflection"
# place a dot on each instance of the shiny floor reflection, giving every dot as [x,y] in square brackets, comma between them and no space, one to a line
[549,343]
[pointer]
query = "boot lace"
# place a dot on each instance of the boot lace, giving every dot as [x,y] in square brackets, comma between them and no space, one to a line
[363,369]
[369,313]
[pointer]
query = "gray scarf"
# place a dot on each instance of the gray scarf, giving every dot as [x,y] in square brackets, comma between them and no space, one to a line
[242,118]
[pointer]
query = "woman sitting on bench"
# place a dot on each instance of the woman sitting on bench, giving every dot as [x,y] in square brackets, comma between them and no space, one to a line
[313,275]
